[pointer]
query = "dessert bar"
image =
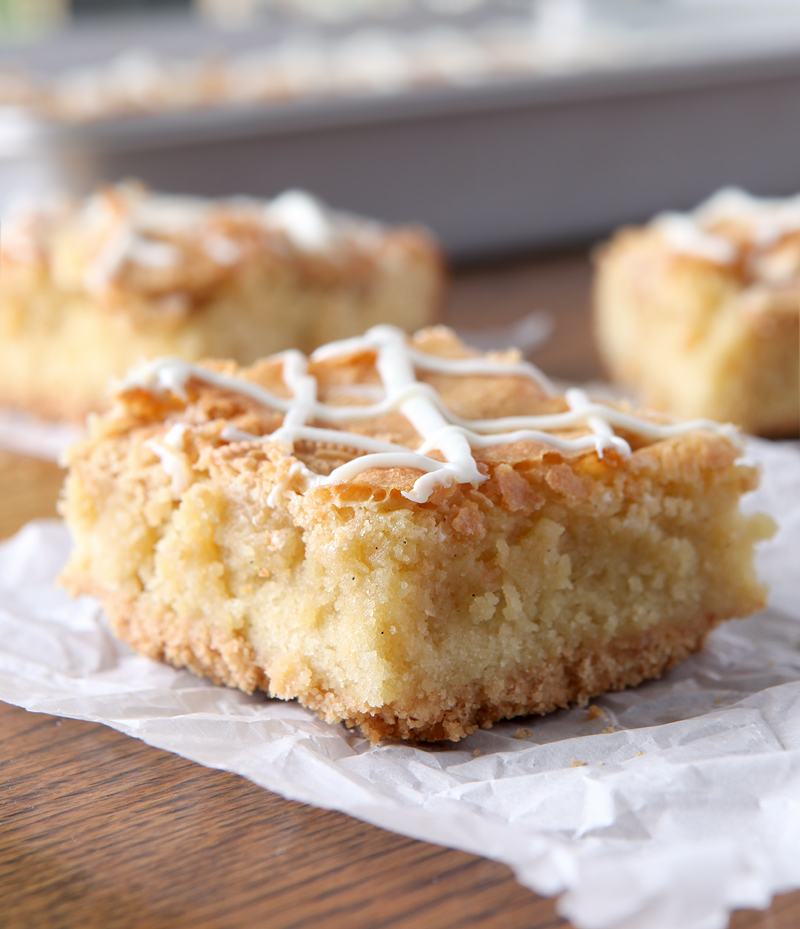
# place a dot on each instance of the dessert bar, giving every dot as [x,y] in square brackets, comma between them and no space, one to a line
[700,314]
[405,535]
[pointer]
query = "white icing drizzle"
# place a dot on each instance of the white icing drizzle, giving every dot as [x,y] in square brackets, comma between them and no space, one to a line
[440,365]
[768,220]
[282,485]
[153,254]
[171,453]
[222,250]
[25,224]
[169,213]
[303,219]
[110,260]
[130,239]
[728,203]
[684,235]
[132,224]
[454,438]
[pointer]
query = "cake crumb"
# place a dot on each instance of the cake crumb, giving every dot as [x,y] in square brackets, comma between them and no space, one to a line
[523,734]
[477,753]
[594,712]
[608,730]
[575,763]
[717,700]
[638,754]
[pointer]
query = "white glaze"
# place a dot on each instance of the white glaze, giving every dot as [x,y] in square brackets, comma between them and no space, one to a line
[153,254]
[222,250]
[727,203]
[767,220]
[303,219]
[170,451]
[133,225]
[26,222]
[169,213]
[110,260]
[439,428]
[686,236]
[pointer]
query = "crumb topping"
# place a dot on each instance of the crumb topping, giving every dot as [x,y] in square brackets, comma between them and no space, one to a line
[412,427]
[757,237]
[125,237]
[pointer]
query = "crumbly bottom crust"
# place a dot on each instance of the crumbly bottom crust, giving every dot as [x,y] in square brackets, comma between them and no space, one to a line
[569,679]
[228,658]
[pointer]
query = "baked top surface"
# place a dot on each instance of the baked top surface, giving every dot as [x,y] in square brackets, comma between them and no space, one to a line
[125,237]
[386,413]
[753,241]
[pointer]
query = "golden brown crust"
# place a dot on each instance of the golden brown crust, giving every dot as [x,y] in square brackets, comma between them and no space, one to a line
[199,254]
[573,678]
[218,654]
[510,468]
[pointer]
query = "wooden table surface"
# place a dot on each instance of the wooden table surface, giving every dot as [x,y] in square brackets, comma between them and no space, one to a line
[99,830]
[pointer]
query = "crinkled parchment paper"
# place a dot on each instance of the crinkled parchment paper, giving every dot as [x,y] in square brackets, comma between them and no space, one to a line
[677,803]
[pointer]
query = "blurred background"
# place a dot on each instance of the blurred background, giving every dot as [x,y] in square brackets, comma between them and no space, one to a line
[506,126]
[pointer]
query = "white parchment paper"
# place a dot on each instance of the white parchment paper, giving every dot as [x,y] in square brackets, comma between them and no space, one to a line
[678,804]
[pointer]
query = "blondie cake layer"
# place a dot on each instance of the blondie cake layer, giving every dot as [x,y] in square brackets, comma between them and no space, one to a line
[700,313]
[404,535]
[89,288]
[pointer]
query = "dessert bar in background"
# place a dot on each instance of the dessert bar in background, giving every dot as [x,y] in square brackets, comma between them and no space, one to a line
[89,288]
[405,535]
[699,313]
[472,118]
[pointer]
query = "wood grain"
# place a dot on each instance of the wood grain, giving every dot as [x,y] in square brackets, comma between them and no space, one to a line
[28,490]
[99,831]
[558,286]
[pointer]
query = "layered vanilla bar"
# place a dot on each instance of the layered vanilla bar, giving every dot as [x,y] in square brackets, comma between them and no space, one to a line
[700,314]
[404,535]
[89,288]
